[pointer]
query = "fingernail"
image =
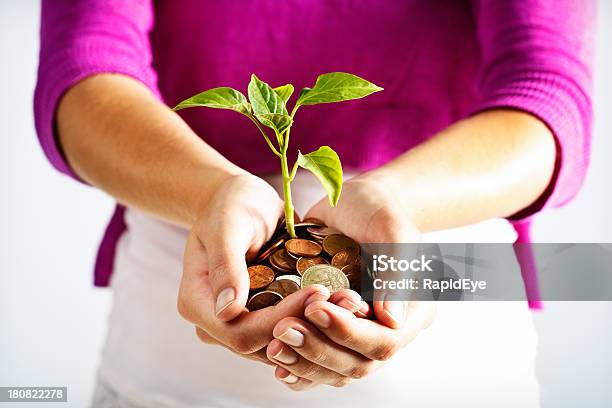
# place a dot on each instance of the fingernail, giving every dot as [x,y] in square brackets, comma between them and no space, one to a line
[359,313]
[318,295]
[320,318]
[290,379]
[285,356]
[395,309]
[292,337]
[348,305]
[225,298]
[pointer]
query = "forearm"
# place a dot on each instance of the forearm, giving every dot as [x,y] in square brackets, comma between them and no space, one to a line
[490,165]
[117,136]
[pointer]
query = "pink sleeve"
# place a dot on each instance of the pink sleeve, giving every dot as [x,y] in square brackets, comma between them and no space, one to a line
[537,57]
[80,38]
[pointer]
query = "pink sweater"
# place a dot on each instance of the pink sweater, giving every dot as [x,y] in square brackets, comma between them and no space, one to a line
[438,61]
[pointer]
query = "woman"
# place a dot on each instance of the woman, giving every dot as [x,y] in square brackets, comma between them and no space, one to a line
[485,114]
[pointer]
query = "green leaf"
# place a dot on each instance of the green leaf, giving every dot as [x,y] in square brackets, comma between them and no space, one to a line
[336,87]
[264,99]
[303,92]
[324,163]
[268,106]
[284,92]
[219,98]
[276,121]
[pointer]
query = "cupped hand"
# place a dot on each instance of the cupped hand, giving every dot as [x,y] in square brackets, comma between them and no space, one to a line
[241,216]
[333,345]
[369,213]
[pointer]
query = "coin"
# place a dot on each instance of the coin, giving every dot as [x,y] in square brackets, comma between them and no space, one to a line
[322,231]
[282,261]
[306,224]
[284,287]
[332,244]
[329,276]
[304,263]
[267,252]
[263,299]
[314,220]
[318,239]
[345,257]
[353,274]
[293,278]
[302,247]
[260,276]
[292,256]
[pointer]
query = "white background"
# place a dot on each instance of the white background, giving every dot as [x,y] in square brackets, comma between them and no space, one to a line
[52,319]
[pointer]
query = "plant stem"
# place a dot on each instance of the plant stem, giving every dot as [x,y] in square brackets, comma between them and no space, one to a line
[265,135]
[287,192]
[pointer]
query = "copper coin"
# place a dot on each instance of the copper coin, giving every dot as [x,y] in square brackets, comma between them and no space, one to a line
[284,287]
[260,276]
[269,251]
[303,247]
[293,278]
[332,244]
[353,273]
[304,263]
[314,220]
[345,257]
[317,239]
[281,260]
[293,256]
[263,299]
[322,231]
[306,224]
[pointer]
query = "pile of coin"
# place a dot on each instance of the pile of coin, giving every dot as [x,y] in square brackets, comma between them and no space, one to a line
[319,255]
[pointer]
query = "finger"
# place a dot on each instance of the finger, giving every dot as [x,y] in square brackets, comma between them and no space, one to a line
[259,355]
[315,356]
[300,367]
[390,312]
[226,246]
[205,337]
[369,338]
[292,381]
[397,313]
[251,331]
[351,301]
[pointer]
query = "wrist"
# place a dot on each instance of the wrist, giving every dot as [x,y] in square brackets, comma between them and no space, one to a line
[210,181]
[395,186]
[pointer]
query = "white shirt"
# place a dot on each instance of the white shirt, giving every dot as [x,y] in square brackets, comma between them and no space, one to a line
[477,353]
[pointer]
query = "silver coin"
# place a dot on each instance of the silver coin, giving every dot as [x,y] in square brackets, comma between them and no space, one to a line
[329,276]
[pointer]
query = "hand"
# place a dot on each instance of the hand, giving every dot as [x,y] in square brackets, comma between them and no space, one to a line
[239,218]
[368,211]
[333,346]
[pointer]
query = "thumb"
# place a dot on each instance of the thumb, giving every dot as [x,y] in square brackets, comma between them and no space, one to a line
[227,269]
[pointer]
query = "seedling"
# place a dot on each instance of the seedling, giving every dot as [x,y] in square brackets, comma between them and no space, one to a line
[267,107]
